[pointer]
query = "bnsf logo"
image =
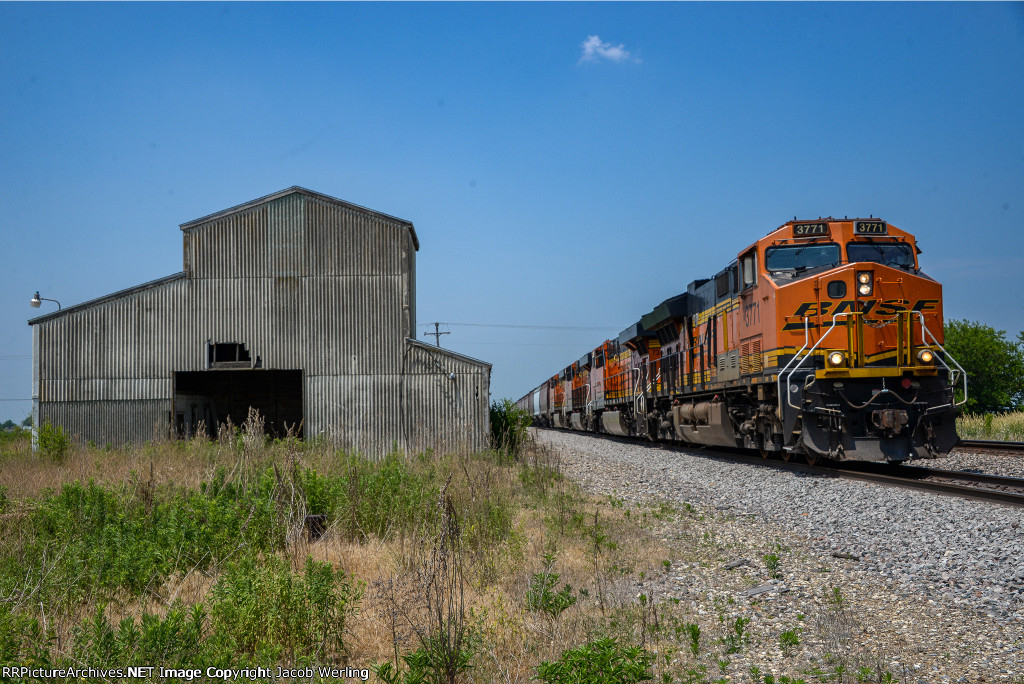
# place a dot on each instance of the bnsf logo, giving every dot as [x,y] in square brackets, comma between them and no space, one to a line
[882,309]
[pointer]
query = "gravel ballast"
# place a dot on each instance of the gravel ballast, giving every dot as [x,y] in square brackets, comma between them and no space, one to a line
[950,567]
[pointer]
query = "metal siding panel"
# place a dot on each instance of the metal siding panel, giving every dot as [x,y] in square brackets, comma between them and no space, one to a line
[306,284]
[448,413]
[103,422]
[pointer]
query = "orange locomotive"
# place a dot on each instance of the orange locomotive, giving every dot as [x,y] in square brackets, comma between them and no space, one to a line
[823,338]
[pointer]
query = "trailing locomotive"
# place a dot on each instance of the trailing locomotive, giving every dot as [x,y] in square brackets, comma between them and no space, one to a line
[824,338]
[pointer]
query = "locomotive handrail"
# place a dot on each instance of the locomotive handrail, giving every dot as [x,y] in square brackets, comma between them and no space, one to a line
[952,373]
[809,354]
[638,397]
[589,401]
[924,330]
[807,340]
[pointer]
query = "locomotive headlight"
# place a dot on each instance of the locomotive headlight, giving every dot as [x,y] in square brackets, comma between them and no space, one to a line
[925,356]
[864,286]
[836,358]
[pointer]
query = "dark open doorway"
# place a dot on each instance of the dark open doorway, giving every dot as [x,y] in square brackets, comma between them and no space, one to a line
[213,396]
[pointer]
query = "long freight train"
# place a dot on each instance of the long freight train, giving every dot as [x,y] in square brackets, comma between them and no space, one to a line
[824,339]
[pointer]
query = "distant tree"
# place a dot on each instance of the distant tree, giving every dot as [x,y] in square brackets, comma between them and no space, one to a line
[27,422]
[8,425]
[994,365]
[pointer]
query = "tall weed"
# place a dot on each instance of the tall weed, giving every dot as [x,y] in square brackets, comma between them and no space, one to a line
[508,427]
[274,615]
[92,537]
[1008,427]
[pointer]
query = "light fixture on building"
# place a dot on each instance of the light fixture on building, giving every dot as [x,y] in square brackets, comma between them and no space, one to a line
[37,300]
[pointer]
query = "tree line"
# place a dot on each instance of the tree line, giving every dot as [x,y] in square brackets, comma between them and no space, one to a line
[994,366]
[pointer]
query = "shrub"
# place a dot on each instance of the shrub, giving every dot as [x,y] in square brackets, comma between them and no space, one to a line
[508,427]
[91,536]
[174,640]
[53,442]
[771,563]
[370,497]
[693,632]
[737,636]
[789,640]
[604,661]
[267,611]
[22,640]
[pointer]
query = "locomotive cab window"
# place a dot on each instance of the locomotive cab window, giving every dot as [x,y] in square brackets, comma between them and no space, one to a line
[897,254]
[748,268]
[797,258]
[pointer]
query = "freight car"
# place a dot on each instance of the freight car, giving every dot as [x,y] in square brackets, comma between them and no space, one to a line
[823,339]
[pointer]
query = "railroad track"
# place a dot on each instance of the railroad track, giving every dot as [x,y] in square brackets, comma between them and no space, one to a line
[965,485]
[962,484]
[990,447]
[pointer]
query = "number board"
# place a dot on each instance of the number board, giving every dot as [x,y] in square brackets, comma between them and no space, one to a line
[806,229]
[870,228]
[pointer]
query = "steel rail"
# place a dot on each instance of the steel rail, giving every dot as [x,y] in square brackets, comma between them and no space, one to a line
[990,445]
[900,478]
[907,477]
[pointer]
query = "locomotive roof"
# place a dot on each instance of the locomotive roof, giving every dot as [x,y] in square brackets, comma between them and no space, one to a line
[671,308]
[632,332]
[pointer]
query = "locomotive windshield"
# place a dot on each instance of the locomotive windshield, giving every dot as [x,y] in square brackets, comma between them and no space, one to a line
[890,254]
[797,258]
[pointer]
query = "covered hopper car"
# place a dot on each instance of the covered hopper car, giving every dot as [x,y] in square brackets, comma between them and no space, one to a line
[823,339]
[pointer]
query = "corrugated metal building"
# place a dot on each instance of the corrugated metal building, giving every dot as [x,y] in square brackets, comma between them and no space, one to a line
[299,304]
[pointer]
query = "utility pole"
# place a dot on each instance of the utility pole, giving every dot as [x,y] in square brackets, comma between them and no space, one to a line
[436,334]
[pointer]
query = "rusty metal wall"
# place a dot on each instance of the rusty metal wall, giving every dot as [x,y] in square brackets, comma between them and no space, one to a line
[306,283]
[442,411]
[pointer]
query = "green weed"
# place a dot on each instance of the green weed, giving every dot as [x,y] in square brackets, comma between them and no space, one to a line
[541,595]
[737,636]
[277,616]
[508,428]
[53,441]
[789,640]
[598,662]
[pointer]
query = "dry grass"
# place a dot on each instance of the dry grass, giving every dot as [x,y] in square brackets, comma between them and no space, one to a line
[607,551]
[548,514]
[1008,427]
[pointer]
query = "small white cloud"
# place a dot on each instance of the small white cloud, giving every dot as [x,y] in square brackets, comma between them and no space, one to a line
[594,49]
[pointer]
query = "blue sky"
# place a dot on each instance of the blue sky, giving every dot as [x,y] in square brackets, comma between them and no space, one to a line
[564,164]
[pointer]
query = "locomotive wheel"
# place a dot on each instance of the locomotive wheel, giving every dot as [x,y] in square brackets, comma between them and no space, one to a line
[786,455]
[811,457]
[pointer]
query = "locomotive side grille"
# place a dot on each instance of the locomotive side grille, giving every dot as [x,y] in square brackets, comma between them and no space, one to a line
[750,357]
[756,363]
